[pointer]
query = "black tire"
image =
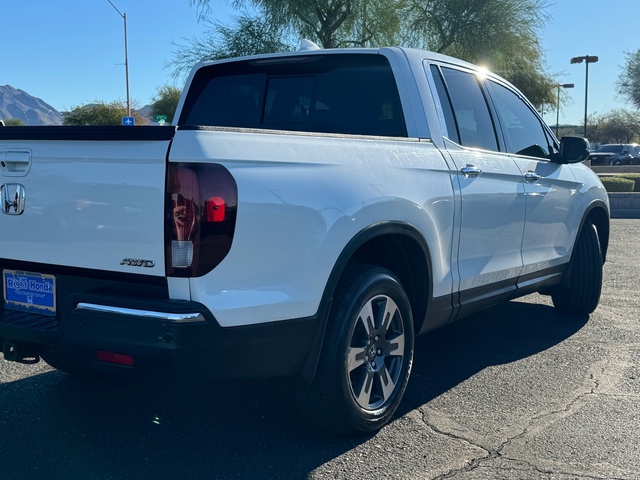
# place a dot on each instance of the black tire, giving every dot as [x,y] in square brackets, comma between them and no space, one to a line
[580,292]
[365,363]
[55,360]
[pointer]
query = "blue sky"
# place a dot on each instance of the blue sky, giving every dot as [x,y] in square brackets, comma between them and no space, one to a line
[71,52]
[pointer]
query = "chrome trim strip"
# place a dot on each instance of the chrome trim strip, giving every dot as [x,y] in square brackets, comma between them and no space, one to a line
[193,317]
[538,280]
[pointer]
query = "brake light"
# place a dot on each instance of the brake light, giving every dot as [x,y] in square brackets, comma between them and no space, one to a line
[216,209]
[200,217]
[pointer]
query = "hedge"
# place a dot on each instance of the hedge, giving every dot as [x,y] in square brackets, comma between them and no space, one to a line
[635,177]
[619,184]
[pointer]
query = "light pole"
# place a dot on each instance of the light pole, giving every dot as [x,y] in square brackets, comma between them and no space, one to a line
[126,56]
[26,116]
[587,59]
[560,85]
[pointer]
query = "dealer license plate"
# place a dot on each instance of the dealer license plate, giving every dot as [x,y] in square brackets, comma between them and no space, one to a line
[29,292]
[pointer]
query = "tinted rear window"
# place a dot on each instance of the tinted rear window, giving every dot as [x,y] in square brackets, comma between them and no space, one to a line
[474,124]
[345,94]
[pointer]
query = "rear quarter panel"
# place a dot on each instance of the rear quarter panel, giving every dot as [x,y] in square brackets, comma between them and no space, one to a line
[302,198]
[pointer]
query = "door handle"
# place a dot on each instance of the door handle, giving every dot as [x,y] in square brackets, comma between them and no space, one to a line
[471,171]
[531,176]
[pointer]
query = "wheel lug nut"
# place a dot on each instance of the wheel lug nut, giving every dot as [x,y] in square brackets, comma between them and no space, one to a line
[373,364]
[379,352]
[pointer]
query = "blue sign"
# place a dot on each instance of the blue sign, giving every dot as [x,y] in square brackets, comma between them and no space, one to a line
[128,121]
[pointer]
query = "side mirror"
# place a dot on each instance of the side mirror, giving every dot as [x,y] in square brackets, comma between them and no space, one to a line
[573,149]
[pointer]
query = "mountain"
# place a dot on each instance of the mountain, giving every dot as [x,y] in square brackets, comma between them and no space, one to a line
[16,103]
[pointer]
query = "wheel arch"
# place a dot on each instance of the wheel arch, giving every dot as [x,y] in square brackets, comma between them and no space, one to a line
[598,214]
[396,246]
[399,248]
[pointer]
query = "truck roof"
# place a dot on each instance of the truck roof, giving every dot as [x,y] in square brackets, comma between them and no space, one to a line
[412,54]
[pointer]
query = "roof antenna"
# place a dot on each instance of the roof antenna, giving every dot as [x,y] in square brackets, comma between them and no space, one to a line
[308,45]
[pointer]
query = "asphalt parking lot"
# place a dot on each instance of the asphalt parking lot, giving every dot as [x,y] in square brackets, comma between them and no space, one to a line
[515,392]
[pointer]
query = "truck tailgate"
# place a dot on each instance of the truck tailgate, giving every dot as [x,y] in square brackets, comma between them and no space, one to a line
[95,204]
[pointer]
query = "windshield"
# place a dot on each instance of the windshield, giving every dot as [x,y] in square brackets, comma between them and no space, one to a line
[610,148]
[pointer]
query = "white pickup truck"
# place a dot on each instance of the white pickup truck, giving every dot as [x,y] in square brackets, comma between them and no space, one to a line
[307,215]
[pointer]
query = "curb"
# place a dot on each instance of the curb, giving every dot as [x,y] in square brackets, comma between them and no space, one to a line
[625,205]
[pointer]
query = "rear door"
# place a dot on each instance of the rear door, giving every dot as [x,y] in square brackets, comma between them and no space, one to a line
[491,188]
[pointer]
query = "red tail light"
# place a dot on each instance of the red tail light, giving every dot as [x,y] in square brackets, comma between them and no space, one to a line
[216,209]
[115,358]
[200,217]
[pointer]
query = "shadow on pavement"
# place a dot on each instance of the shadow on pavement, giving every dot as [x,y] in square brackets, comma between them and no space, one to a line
[55,426]
[503,334]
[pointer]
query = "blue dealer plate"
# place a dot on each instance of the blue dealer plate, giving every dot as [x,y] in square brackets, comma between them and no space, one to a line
[29,292]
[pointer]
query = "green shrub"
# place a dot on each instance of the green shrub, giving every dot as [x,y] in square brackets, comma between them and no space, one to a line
[635,177]
[618,184]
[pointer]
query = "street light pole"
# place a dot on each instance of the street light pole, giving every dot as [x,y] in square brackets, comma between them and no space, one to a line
[126,56]
[587,59]
[561,85]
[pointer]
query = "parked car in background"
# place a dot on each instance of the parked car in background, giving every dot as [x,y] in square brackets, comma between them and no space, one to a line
[616,154]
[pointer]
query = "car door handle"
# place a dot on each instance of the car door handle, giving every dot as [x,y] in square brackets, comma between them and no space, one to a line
[531,176]
[471,171]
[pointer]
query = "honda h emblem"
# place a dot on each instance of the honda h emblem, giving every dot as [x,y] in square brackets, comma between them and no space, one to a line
[13,198]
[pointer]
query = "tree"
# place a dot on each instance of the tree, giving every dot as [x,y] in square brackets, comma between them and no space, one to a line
[248,35]
[621,126]
[502,34]
[14,122]
[616,126]
[538,87]
[165,102]
[628,84]
[100,113]
[339,23]
[569,132]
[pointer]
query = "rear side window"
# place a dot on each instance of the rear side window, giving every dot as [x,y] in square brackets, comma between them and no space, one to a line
[344,94]
[474,124]
[445,102]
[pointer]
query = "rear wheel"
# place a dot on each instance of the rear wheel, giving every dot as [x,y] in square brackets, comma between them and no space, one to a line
[580,292]
[366,358]
[57,361]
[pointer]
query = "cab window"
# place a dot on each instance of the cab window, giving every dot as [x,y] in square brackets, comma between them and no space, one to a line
[522,129]
[473,122]
[341,93]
